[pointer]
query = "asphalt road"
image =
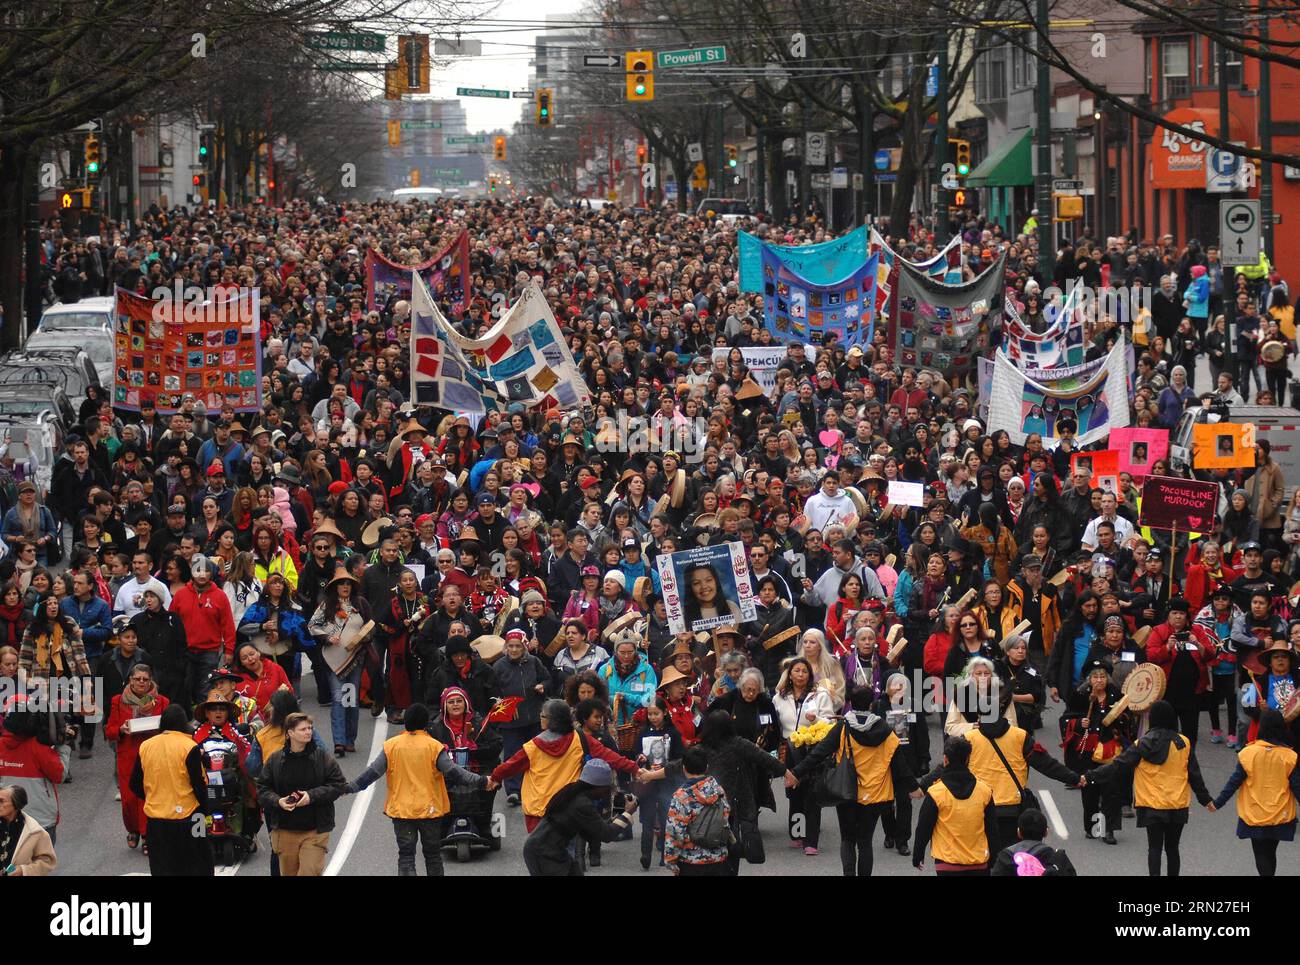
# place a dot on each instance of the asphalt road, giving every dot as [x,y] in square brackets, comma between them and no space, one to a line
[91,840]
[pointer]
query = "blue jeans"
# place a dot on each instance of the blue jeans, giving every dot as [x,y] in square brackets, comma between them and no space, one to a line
[344,720]
[198,669]
[512,740]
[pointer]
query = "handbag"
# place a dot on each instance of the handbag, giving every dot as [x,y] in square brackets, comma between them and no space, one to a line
[1027,799]
[838,782]
[751,843]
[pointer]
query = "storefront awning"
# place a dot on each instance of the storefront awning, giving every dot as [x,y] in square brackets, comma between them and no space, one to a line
[1011,165]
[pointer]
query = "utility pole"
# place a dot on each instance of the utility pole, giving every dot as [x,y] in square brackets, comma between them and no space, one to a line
[34,291]
[867,151]
[941,142]
[720,150]
[1265,134]
[1043,138]
[760,170]
[1229,304]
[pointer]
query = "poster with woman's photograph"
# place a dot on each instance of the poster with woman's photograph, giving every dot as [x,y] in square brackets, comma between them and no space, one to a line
[707,587]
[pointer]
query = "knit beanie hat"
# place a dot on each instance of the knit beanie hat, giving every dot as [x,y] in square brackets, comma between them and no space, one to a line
[618,577]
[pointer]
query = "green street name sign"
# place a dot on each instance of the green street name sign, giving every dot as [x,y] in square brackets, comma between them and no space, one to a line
[691,58]
[364,42]
[421,125]
[482,92]
[468,139]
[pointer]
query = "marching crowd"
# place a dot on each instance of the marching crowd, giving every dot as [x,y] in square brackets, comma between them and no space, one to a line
[490,585]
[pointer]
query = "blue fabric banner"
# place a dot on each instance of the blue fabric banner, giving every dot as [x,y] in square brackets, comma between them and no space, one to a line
[820,264]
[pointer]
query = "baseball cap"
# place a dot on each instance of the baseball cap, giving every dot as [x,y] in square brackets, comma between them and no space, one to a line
[216,470]
[485,497]
[631,544]
[1249,545]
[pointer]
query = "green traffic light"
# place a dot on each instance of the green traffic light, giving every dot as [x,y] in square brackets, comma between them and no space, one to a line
[640,88]
[963,169]
[93,167]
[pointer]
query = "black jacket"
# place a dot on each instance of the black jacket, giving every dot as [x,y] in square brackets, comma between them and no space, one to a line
[325,786]
[162,641]
[480,684]
[1056,862]
[546,852]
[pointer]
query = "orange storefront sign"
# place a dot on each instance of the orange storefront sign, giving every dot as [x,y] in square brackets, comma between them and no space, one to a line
[1178,161]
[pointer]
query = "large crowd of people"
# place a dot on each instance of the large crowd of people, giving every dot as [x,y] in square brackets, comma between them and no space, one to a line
[489,584]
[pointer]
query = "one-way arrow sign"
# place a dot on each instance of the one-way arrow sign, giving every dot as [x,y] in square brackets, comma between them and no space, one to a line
[600,60]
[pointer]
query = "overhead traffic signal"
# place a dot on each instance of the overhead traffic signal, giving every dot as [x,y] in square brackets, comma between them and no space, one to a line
[960,150]
[733,156]
[499,148]
[545,106]
[94,156]
[204,148]
[640,154]
[640,66]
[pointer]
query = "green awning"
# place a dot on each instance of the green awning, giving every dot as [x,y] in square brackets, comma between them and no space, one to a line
[1011,165]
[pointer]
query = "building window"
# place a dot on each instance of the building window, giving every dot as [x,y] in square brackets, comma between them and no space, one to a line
[991,75]
[1235,73]
[1022,69]
[1175,68]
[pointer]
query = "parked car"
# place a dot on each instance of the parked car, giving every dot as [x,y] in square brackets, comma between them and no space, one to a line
[72,368]
[97,343]
[88,313]
[34,420]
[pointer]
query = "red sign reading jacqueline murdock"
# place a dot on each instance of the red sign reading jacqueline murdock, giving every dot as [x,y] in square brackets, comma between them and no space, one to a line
[1185,504]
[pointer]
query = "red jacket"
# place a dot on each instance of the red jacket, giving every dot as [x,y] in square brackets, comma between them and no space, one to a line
[209,624]
[36,768]
[1206,653]
[936,653]
[1200,584]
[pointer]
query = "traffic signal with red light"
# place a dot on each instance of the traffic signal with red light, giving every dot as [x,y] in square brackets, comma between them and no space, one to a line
[640,154]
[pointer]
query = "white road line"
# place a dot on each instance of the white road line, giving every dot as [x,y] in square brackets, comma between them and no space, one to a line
[360,805]
[1054,815]
[230,870]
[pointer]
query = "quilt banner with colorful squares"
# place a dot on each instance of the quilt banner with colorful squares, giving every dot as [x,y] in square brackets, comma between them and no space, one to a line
[167,349]
[522,358]
[946,327]
[1059,345]
[945,266]
[445,275]
[796,310]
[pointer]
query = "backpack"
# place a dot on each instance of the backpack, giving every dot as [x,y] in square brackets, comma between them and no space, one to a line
[709,828]
[1046,863]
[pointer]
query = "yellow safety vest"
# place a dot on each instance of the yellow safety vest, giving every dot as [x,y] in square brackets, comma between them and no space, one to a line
[1164,787]
[959,836]
[1264,799]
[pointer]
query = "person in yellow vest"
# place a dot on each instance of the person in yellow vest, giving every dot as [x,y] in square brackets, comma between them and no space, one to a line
[882,774]
[168,777]
[1008,774]
[553,760]
[418,767]
[1165,775]
[958,818]
[1267,783]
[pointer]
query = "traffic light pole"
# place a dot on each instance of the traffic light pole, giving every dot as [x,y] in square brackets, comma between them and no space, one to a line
[1043,141]
[941,143]
[34,297]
